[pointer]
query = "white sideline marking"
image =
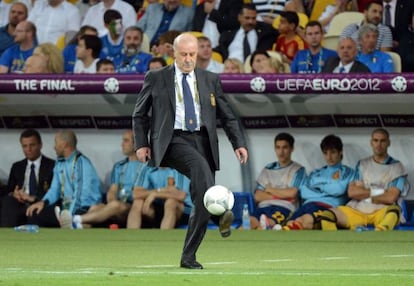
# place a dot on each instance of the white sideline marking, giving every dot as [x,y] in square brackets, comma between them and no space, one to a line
[277,260]
[399,255]
[220,263]
[204,272]
[334,258]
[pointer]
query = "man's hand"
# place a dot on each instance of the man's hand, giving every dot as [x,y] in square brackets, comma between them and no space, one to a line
[242,155]
[35,208]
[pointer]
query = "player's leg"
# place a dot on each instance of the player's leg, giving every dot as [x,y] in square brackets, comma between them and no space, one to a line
[173,210]
[387,218]
[135,214]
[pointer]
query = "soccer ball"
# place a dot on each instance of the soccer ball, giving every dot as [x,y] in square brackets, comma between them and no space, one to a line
[218,199]
[111,85]
[258,84]
[399,84]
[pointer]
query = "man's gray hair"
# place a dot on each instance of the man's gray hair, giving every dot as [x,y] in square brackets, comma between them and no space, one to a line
[365,29]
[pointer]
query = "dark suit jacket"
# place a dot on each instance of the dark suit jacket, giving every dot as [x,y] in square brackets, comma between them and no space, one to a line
[333,62]
[17,172]
[225,16]
[266,37]
[403,14]
[158,93]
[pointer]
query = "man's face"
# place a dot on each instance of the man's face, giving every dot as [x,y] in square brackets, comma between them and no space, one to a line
[17,14]
[380,143]
[81,51]
[283,151]
[368,42]
[186,54]
[106,68]
[127,144]
[166,49]
[171,5]
[59,146]
[115,27]
[374,14]
[332,156]
[313,36]
[247,19]
[204,49]
[31,147]
[133,40]
[20,33]
[347,50]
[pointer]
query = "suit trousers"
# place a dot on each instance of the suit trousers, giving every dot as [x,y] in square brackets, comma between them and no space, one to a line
[13,212]
[190,154]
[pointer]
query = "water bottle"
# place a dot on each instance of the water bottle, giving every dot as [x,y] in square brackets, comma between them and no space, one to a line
[27,228]
[123,195]
[245,217]
[361,228]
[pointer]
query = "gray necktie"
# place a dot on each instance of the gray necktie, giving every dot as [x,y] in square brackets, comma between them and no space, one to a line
[387,16]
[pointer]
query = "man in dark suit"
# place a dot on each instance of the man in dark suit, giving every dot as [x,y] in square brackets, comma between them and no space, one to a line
[259,36]
[212,17]
[22,190]
[345,61]
[184,102]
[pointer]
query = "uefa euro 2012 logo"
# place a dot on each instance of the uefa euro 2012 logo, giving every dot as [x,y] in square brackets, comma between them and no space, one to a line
[399,84]
[111,85]
[258,84]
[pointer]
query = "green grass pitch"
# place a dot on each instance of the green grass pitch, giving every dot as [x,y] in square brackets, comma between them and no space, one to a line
[151,257]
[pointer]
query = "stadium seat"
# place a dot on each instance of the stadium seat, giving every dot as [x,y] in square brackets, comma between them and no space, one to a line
[241,198]
[145,45]
[397,61]
[341,20]
[331,41]
[303,20]
[217,57]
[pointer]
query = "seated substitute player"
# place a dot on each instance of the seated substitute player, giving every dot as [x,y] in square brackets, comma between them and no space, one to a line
[379,184]
[278,186]
[163,200]
[324,188]
[124,175]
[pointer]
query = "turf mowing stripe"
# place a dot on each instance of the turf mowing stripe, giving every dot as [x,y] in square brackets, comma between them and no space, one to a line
[398,255]
[335,258]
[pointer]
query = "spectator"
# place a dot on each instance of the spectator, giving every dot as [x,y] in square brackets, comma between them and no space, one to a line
[406,46]
[132,59]
[35,64]
[251,35]
[95,15]
[156,63]
[163,201]
[52,55]
[262,62]
[17,14]
[105,66]
[13,58]
[53,19]
[204,56]
[162,17]
[277,189]
[268,10]
[331,11]
[212,17]
[324,188]
[87,53]
[400,16]
[75,186]
[112,42]
[124,175]
[164,48]
[300,6]
[375,192]
[29,180]
[233,66]
[346,61]
[69,52]
[289,42]
[377,61]
[372,15]
[313,59]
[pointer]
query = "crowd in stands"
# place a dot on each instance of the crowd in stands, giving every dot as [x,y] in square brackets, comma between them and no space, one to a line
[291,33]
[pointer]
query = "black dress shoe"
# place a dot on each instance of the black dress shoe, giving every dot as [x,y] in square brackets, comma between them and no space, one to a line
[191,265]
[225,222]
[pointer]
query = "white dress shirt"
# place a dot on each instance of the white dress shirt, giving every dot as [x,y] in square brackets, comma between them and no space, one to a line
[210,28]
[236,46]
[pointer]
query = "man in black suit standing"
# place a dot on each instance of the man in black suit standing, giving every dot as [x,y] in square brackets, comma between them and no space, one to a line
[345,62]
[29,179]
[184,102]
[250,36]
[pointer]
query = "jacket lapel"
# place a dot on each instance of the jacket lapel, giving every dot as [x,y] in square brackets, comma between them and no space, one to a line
[169,82]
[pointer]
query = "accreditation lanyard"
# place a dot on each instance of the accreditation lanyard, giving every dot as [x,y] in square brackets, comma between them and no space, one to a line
[319,63]
[71,178]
